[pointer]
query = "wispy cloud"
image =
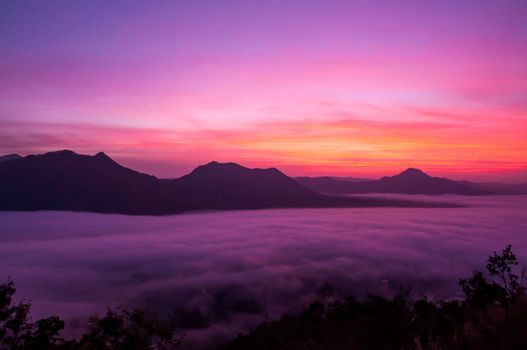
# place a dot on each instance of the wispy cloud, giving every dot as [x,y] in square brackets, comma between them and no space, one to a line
[441,85]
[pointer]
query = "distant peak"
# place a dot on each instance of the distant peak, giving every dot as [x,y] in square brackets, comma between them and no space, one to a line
[102,155]
[222,165]
[413,172]
[232,166]
[9,157]
[68,154]
[60,152]
[214,165]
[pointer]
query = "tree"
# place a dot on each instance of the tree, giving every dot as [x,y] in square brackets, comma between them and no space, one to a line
[500,267]
[128,330]
[503,288]
[16,332]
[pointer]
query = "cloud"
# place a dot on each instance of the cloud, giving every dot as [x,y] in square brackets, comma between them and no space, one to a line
[221,273]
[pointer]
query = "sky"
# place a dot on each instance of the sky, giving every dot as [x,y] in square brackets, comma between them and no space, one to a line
[344,88]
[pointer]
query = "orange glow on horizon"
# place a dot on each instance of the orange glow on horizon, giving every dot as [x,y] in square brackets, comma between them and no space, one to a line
[345,88]
[338,148]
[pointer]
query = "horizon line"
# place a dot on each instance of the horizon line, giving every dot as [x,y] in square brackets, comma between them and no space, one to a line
[366,178]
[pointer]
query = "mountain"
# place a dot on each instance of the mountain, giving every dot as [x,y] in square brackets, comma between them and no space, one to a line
[232,186]
[9,157]
[352,179]
[497,188]
[410,181]
[65,180]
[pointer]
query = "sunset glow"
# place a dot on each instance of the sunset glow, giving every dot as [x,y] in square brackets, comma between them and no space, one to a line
[323,88]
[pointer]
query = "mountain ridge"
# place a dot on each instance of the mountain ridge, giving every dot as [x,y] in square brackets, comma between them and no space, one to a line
[409,181]
[10,157]
[65,180]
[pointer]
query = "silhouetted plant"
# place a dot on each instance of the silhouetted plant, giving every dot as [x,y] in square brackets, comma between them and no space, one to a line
[480,292]
[500,267]
[504,287]
[128,330]
[16,332]
[491,316]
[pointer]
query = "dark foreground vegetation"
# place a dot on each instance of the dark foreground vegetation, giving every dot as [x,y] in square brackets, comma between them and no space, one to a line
[493,315]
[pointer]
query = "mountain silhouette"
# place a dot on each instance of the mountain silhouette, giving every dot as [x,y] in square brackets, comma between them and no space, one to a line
[232,186]
[497,188]
[9,157]
[64,180]
[410,181]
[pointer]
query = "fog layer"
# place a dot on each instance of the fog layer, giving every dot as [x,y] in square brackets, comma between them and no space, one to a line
[223,272]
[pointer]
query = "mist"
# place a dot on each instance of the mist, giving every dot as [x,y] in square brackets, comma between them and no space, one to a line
[220,273]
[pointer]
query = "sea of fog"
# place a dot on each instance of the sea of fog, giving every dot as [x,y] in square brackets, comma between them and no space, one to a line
[224,272]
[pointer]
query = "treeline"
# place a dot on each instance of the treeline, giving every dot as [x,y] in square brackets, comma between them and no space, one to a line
[493,315]
[117,329]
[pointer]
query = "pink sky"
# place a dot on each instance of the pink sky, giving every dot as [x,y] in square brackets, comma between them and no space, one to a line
[350,88]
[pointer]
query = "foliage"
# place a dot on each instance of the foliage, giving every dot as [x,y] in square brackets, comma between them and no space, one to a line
[16,332]
[118,330]
[491,316]
[128,329]
[503,289]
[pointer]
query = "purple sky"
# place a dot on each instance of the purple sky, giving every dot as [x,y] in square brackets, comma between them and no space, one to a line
[312,87]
